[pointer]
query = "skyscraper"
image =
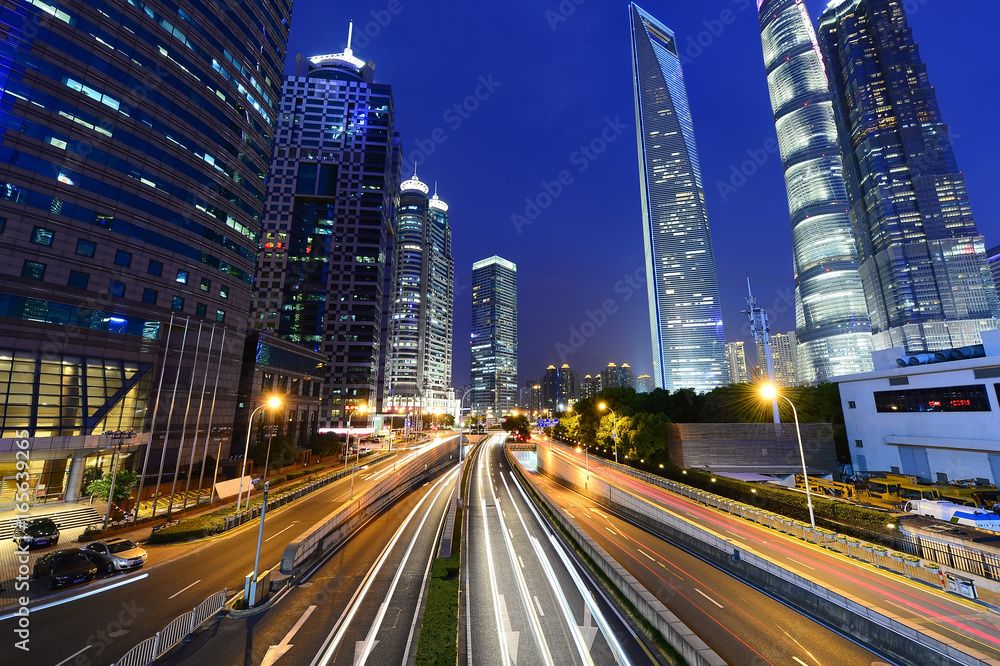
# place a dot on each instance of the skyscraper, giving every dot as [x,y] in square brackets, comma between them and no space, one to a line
[569,387]
[923,262]
[736,360]
[589,387]
[831,314]
[494,336]
[136,138]
[550,388]
[330,199]
[418,363]
[625,376]
[644,384]
[784,358]
[684,311]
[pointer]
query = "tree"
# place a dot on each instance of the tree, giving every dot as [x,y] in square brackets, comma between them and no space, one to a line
[518,425]
[621,426]
[648,434]
[568,427]
[125,481]
[282,452]
[448,420]
[325,444]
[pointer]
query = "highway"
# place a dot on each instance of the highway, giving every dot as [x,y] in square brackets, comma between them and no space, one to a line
[101,627]
[528,602]
[361,606]
[949,616]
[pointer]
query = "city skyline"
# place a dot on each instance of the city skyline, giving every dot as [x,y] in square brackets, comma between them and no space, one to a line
[725,68]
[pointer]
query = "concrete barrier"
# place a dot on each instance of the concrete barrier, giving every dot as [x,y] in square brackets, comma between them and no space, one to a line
[332,530]
[674,632]
[892,636]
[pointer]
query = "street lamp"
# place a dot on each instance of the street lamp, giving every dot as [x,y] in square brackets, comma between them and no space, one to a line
[586,457]
[119,435]
[267,459]
[614,426]
[274,402]
[770,392]
[363,409]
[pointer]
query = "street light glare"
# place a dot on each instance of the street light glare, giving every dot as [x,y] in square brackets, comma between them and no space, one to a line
[602,406]
[769,391]
[274,402]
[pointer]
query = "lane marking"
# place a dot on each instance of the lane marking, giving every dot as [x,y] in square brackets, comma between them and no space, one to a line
[669,570]
[67,659]
[800,661]
[521,561]
[647,555]
[708,597]
[800,563]
[90,593]
[274,652]
[185,589]
[611,530]
[539,604]
[277,533]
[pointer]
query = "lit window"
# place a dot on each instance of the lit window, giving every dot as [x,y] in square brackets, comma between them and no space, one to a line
[41,236]
[182,277]
[33,270]
[177,303]
[220,315]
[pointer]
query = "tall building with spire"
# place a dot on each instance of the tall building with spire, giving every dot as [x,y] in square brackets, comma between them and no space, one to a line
[494,336]
[923,261]
[831,315]
[684,311]
[419,354]
[333,182]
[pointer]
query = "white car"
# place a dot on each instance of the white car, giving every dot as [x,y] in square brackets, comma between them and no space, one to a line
[115,554]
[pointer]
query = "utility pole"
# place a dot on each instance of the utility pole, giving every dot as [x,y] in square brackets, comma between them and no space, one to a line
[761,330]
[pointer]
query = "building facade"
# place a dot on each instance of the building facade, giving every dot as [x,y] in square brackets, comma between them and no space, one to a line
[589,387]
[494,336]
[923,262]
[419,353]
[736,362]
[136,140]
[933,416]
[644,384]
[831,315]
[326,233]
[784,358]
[569,387]
[684,310]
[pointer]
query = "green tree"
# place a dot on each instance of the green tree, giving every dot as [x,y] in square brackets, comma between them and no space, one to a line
[519,425]
[125,481]
[325,444]
[282,452]
[647,435]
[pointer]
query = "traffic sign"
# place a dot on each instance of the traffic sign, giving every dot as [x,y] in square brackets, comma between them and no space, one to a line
[547,423]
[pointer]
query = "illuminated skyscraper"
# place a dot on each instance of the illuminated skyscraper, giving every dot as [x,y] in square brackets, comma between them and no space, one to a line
[784,358]
[684,312]
[736,360]
[923,262]
[831,316]
[494,336]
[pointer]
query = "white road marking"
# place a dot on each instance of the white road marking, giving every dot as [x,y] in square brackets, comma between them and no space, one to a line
[521,561]
[277,533]
[801,565]
[800,661]
[538,603]
[274,652]
[708,597]
[67,659]
[185,589]
[611,530]
[89,593]
[648,556]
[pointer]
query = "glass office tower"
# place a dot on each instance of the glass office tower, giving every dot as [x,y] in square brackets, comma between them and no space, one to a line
[831,315]
[494,336]
[134,143]
[419,346]
[684,311]
[923,262]
[333,184]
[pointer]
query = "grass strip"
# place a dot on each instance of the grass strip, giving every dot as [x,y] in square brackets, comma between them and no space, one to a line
[438,642]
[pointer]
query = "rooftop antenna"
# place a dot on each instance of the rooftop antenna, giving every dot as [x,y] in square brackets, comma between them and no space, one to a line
[415,171]
[761,330]
[350,34]
[435,189]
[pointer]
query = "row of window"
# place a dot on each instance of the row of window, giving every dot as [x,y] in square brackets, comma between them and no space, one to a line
[970,398]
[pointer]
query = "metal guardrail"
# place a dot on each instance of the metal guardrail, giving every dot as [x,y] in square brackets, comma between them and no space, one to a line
[180,627]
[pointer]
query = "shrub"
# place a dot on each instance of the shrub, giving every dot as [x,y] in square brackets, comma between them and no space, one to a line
[315,469]
[192,528]
[297,474]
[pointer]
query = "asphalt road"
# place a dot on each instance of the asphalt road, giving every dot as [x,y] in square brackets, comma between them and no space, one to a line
[526,604]
[101,627]
[951,617]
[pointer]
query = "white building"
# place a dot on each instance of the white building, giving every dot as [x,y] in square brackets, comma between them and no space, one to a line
[932,415]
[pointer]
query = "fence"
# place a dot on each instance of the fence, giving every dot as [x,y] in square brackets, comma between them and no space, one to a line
[281,499]
[156,646]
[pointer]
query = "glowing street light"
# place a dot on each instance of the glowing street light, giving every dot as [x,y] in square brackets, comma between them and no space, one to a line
[770,392]
[362,409]
[273,402]
[614,426]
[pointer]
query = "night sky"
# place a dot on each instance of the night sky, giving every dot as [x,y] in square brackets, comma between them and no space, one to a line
[550,83]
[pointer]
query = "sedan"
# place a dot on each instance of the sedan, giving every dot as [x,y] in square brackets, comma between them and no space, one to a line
[65,567]
[36,532]
[116,554]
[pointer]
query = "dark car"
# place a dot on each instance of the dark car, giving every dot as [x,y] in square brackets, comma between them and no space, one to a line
[65,567]
[115,554]
[36,532]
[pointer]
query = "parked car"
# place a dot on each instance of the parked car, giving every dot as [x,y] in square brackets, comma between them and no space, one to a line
[65,567]
[36,532]
[115,554]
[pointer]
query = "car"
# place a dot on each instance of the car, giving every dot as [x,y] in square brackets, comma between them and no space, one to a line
[65,567]
[115,554]
[36,533]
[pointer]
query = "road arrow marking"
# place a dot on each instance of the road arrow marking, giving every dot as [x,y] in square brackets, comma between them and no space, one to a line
[510,637]
[588,631]
[275,651]
[361,650]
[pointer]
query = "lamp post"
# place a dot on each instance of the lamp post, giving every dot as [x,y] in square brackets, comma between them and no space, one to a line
[273,403]
[364,410]
[770,392]
[614,427]
[267,459]
[119,435]
[251,598]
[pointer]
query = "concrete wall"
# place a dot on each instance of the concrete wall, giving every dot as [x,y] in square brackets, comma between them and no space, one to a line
[751,445]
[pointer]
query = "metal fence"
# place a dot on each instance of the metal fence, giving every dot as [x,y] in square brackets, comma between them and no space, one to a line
[179,628]
[281,499]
